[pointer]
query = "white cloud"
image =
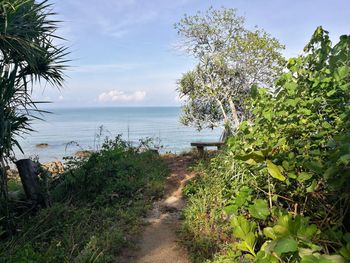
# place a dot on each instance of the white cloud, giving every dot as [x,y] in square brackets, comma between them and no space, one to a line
[60,98]
[121,96]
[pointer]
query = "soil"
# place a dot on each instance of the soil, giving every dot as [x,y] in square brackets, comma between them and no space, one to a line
[159,242]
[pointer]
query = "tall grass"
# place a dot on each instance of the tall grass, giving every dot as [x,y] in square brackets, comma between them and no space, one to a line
[98,207]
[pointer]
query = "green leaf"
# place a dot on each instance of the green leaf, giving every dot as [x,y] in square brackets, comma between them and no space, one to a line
[251,162]
[286,245]
[306,232]
[250,241]
[331,92]
[292,102]
[345,87]
[253,157]
[264,257]
[326,125]
[243,196]
[230,209]
[268,232]
[303,176]
[345,251]
[292,175]
[285,165]
[345,159]
[290,87]
[309,259]
[303,252]
[259,209]
[342,72]
[312,187]
[304,111]
[331,259]
[268,115]
[242,227]
[274,171]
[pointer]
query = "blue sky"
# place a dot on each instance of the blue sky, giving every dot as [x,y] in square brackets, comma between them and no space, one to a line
[123,53]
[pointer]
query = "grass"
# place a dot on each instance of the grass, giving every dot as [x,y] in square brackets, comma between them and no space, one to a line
[14,184]
[205,231]
[98,209]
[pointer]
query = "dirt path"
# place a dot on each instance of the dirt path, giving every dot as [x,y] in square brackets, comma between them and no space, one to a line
[159,242]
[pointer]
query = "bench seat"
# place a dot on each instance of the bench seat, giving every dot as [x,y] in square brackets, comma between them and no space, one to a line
[200,145]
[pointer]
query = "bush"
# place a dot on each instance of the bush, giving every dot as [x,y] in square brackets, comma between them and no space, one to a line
[98,206]
[285,177]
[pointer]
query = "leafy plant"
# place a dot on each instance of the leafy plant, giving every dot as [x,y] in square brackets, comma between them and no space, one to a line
[289,200]
[28,55]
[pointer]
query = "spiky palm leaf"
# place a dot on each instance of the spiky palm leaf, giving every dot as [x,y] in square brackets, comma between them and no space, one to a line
[27,56]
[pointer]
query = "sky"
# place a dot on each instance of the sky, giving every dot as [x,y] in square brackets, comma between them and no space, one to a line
[123,52]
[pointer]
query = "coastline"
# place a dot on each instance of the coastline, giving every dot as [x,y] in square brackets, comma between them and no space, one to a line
[69,130]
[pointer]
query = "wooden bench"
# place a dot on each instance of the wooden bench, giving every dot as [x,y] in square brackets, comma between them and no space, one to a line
[200,146]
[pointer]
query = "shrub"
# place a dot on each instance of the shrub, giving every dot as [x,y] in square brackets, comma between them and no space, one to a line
[98,206]
[289,200]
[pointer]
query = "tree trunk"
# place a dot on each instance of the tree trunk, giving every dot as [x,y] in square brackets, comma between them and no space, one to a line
[28,171]
[234,112]
[222,109]
[227,132]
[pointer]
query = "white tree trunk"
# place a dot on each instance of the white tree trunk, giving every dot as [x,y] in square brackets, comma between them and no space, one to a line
[234,112]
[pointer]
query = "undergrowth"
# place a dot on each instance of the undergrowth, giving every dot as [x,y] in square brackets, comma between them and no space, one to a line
[98,206]
[280,192]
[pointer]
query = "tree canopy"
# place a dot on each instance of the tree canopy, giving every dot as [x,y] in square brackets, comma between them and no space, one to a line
[230,60]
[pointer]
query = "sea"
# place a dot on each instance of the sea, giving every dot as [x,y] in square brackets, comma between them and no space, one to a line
[68,130]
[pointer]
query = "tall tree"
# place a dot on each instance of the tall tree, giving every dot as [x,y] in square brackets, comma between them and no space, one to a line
[231,59]
[28,55]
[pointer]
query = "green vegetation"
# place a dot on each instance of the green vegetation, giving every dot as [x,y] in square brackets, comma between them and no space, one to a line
[29,55]
[280,192]
[230,59]
[98,206]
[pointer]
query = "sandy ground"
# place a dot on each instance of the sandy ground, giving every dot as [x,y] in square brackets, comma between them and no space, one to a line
[159,242]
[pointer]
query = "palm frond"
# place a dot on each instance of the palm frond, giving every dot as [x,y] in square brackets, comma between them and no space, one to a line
[28,56]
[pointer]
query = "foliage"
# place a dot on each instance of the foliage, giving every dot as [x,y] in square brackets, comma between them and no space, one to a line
[98,206]
[231,59]
[285,177]
[28,55]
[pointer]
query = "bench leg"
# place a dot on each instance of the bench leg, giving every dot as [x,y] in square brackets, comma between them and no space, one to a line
[200,150]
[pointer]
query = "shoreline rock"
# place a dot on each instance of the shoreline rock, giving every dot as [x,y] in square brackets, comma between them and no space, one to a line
[42,145]
[83,154]
[54,168]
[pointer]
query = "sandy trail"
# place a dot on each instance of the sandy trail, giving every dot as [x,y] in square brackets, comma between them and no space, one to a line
[159,242]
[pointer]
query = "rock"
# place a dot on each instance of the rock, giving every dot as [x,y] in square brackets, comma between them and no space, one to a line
[42,145]
[54,168]
[83,154]
[12,173]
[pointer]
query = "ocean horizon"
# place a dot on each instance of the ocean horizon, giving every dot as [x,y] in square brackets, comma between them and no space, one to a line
[68,130]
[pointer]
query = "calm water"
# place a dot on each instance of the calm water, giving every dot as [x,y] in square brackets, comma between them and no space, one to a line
[82,125]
